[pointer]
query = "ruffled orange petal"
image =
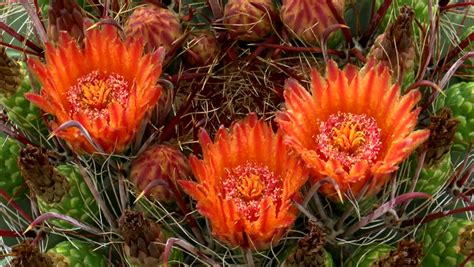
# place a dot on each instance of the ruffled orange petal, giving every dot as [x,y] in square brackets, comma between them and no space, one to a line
[103,52]
[250,149]
[367,92]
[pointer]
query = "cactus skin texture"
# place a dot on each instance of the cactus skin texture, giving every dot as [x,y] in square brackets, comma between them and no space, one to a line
[432,178]
[369,255]
[76,254]
[460,99]
[247,19]
[78,203]
[24,113]
[441,242]
[11,180]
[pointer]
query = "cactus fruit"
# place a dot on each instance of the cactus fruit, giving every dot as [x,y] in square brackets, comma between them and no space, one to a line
[249,20]
[163,165]
[159,27]
[441,242]
[11,180]
[308,19]
[202,48]
[460,99]
[76,254]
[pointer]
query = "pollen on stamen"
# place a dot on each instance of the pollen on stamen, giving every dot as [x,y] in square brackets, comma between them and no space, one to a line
[349,138]
[248,185]
[94,91]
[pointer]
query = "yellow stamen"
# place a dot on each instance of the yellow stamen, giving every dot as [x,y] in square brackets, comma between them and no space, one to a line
[250,187]
[96,95]
[348,137]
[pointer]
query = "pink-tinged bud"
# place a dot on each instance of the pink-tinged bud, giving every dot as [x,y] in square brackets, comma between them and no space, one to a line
[157,26]
[156,170]
[249,20]
[308,19]
[202,48]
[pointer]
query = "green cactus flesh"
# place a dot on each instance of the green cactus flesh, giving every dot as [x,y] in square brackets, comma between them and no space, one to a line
[79,254]
[24,113]
[369,255]
[440,242]
[432,178]
[11,180]
[78,203]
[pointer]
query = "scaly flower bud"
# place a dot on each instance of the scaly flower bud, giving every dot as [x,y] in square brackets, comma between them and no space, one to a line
[157,26]
[164,164]
[308,19]
[202,48]
[249,20]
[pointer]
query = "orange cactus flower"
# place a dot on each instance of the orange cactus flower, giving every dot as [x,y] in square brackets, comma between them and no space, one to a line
[246,183]
[354,126]
[108,86]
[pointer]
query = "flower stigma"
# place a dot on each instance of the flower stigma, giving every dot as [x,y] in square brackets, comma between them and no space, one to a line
[94,91]
[248,185]
[349,138]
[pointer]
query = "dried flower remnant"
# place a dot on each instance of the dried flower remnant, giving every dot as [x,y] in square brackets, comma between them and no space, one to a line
[408,253]
[395,46]
[442,130]
[354,126]
[65,15]
[310,249]
[466,240]
[143,239]
[245,184]
[40,176]
[108,93]
[11,75]
[26,254]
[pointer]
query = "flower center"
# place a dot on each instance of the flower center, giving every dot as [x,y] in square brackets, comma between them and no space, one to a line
[93,93]
[349,138]
[248,185]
